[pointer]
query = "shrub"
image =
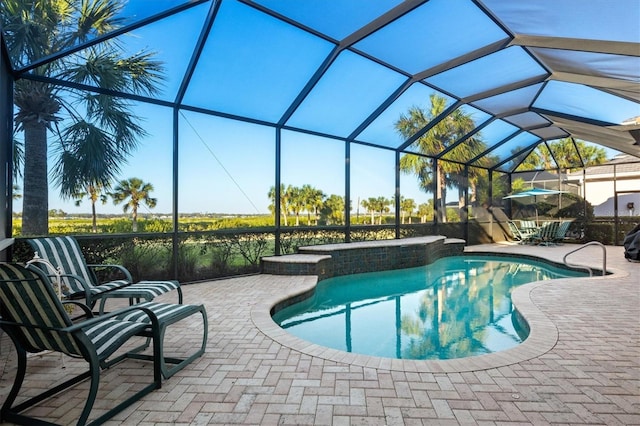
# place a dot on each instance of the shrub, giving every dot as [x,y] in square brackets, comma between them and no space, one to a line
[188,256]
[146,259]
[602,232]
[574,207]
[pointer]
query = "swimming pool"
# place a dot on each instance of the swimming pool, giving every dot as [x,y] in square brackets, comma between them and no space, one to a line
[456,307]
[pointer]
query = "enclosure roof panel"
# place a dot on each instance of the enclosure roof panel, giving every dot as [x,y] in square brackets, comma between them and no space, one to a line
[431,35]
[527,72]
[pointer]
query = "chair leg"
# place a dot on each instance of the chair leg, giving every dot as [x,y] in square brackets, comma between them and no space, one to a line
[179,290]
[12,414]
[156,384]
[177,363]
[94,373]
[6,412]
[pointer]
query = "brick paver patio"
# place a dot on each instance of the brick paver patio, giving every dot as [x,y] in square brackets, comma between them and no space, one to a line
[581,364]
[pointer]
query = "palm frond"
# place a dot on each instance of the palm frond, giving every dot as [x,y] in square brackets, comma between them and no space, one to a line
[89,157]
[18,158]
[94,18]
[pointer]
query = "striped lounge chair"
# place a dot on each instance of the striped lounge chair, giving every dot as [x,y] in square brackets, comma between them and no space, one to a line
[562,231]
[36,321]
[547,234]
[65,255]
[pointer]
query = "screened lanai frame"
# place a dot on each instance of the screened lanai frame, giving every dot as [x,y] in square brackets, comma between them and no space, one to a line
[511,102]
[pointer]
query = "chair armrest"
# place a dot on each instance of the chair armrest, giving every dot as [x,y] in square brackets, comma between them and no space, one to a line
[120,268]
[85,285]
[96,319]
[87,311]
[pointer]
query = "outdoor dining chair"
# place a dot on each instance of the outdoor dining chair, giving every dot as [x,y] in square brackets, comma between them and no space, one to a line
[521,235]
[81,282]
[36,321]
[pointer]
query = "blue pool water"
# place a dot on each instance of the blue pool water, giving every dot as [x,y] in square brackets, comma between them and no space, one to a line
[455,307]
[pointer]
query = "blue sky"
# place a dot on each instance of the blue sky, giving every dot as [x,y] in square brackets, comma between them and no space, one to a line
[255,66]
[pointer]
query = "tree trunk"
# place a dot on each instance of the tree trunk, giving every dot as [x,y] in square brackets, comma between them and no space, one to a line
[283,210]
[441,194]
[94,222]
[134,222]
[35,203]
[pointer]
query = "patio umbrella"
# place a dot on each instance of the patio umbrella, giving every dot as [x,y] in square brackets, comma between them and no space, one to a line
[535,193]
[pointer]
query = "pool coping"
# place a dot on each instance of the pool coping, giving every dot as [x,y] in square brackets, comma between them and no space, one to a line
[331,260]
[543,334]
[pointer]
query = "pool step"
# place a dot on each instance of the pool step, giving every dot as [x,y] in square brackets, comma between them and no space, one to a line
[297,264]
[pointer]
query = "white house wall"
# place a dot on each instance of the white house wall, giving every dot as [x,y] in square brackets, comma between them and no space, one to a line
[601,191]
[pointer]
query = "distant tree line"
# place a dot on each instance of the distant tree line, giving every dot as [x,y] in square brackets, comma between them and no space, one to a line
[312,203]
[313,207]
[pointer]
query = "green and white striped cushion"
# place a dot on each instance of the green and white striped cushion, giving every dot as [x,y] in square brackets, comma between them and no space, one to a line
[108,335]
[165,312]
[156,287]
[28,298]
[65,253]
[103,288]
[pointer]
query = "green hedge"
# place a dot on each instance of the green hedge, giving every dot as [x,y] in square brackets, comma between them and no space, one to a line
[602,232]
[214,254]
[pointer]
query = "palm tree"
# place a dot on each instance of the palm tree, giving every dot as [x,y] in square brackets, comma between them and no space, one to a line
[101,131]
[93,193]
[369,205]
[285,200]
[539,158]
[296,202]
[375,205]
[382,206]
[137,192]
[446,132]
[317,201]
[425,210]
[332,209]
[18,158]
[407,206]
[564,153]
[591,154]
[313,199]
[569,158]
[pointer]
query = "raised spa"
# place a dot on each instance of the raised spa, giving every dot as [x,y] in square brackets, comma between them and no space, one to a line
[456,307]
